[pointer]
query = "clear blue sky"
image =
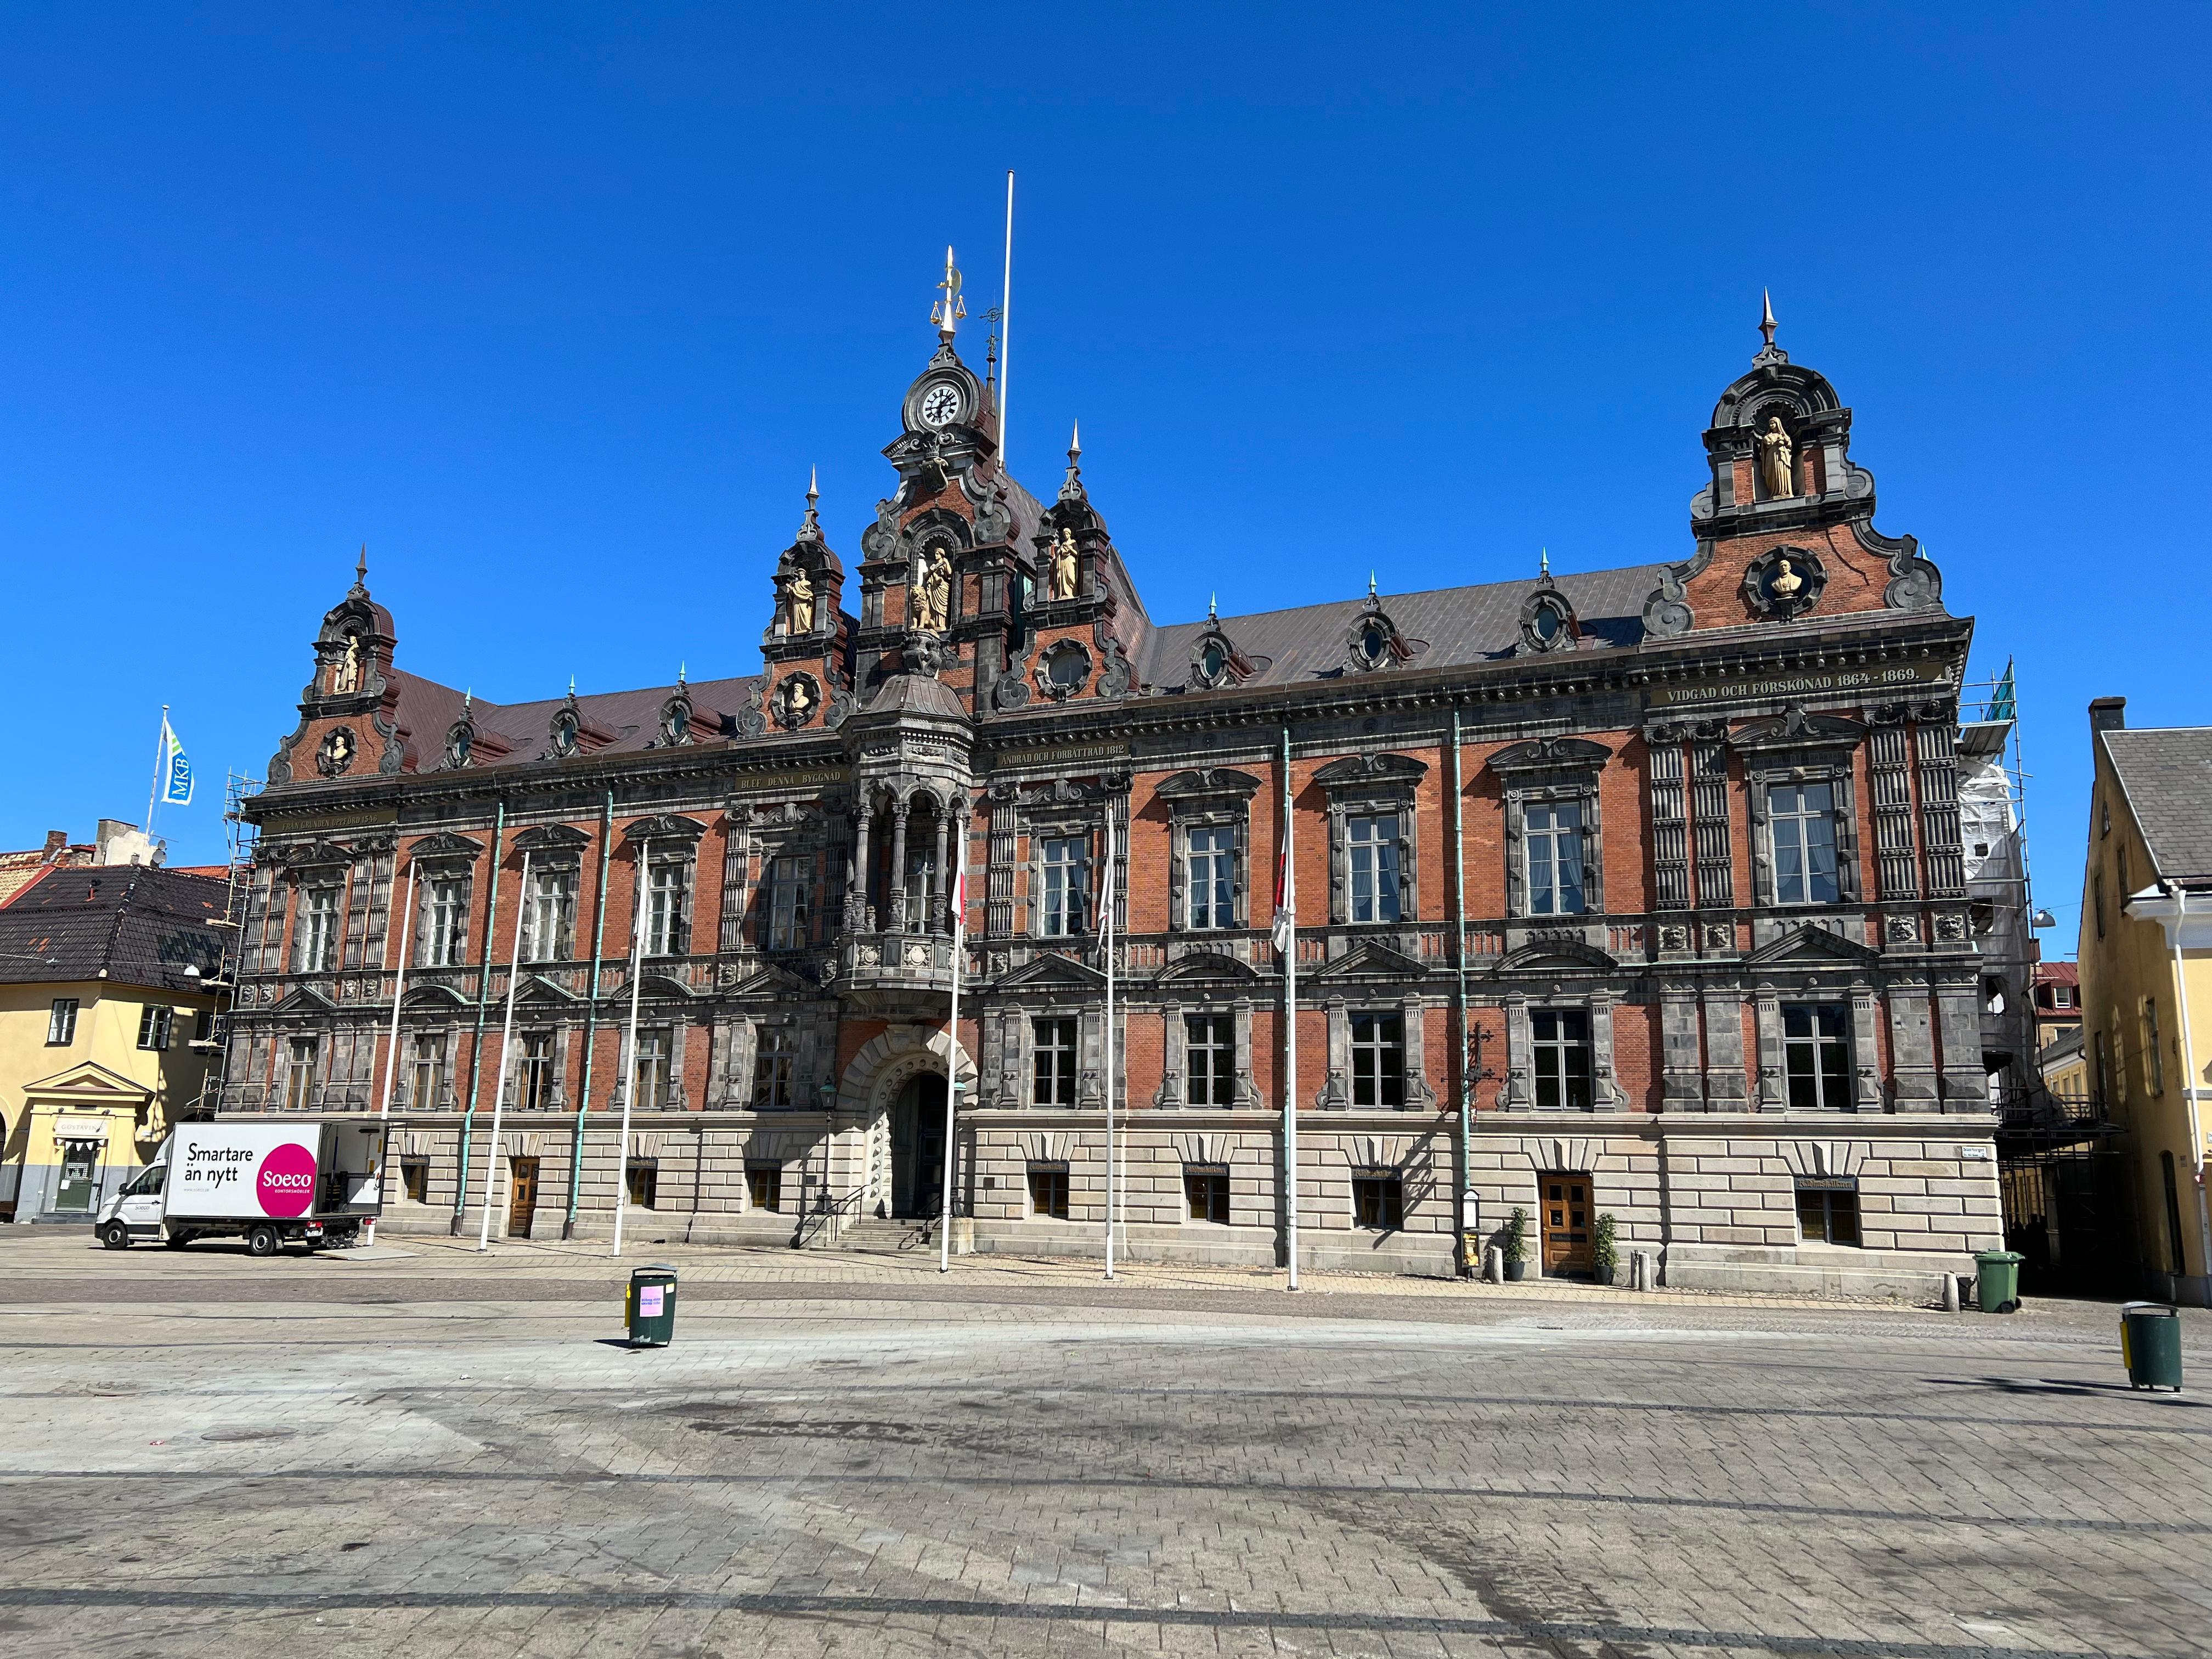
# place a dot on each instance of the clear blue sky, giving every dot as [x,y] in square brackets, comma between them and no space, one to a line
[554,307]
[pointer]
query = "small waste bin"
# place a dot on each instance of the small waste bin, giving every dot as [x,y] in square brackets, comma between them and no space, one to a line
[649,1311]
[2150,1345]
[1996,1280]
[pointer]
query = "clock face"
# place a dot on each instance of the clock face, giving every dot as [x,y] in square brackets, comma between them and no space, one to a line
[939,404]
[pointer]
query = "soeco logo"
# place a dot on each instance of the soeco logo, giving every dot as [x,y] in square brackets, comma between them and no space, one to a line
[285,1184]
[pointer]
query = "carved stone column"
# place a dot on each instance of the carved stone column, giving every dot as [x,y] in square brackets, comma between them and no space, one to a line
[940,920]
[896,923]
[857,919]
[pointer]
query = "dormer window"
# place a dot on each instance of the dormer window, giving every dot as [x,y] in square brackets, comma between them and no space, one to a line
[1374,644]
[1548,622]
[1214,660]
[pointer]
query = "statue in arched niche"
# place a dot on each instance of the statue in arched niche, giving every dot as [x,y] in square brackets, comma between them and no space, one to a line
[932,601]
[1063,566]
[346,676]
[1776,456]
[799,593]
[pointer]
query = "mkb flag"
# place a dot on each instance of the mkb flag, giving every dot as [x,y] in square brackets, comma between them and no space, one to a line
[176,770]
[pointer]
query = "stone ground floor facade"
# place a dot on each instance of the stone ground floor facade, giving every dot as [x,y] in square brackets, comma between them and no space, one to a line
[1836,1204]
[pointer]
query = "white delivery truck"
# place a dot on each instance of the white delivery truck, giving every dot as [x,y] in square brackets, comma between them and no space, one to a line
[273,1184]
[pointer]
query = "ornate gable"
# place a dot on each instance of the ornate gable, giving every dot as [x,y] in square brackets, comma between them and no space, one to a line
[1808,946]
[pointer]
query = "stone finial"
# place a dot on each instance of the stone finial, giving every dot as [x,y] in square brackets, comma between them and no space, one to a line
[1766,316]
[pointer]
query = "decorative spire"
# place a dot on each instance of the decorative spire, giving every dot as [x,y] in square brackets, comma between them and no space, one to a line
[947,312]
[571,688]
[468,701]
[1370,583]
[1544,563]
[811,529]
[680,667]
[1769,352]
[360,571]
[1071,488]
[1213,607]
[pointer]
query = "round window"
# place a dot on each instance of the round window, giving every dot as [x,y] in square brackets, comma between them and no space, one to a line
[1213,661]
[1373,643]
[1067,666]
[1547,623]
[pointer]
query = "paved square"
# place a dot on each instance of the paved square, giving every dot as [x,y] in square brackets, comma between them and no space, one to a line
[437,1454]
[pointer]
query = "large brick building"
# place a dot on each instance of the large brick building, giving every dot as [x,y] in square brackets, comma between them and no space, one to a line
[1635,892]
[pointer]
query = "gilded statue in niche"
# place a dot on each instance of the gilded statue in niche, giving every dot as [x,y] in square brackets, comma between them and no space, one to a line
[799,594]
[1776,454]
[1063,566]
[932,599]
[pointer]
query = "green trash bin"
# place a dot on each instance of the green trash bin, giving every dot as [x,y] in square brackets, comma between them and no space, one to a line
[649,1311]
[2150,1345]
[1996,1280]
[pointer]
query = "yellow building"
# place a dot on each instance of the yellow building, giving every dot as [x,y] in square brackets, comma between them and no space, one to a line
[104,972]
[2146,961]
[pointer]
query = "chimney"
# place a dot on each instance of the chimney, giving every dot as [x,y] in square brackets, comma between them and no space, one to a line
[2108,714]
[57,842]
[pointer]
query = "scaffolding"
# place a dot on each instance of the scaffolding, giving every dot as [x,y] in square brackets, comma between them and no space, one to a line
[244,837]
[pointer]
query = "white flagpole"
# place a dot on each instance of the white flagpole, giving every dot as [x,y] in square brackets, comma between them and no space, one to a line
[506,1048]
[1106,922]
[628,1083]
[1290,1028]
[952,1043]
[398,990]
[160,755]
[1005,313]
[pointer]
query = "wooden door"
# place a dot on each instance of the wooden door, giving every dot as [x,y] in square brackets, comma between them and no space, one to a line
[521,1196]
[1566,1223]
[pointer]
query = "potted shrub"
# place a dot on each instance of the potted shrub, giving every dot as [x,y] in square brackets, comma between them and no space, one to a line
[1517,1245]
[1605,1256]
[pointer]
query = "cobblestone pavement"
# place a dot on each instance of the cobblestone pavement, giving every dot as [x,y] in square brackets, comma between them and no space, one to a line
[429,1452]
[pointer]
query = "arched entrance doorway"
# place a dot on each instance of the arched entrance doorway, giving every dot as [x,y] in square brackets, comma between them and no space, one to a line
[918,1146]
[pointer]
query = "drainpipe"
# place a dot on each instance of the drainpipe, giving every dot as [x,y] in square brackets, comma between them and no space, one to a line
[1471,1266]
[2189,1090]
[483,1004]
[591,1018]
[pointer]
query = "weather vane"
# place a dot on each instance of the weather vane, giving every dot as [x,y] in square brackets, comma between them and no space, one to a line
[947,312]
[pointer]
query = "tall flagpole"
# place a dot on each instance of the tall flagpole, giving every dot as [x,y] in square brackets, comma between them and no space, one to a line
[1005,310]
[1289,946]
[628,1083]
[398,990]
[160,754]
[952,1042]
[506,1049]
[1106,921]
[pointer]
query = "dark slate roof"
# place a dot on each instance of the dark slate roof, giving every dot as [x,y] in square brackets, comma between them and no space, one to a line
[1454,626]
[135,924]
[2166,776]
[922,693]
[629,720]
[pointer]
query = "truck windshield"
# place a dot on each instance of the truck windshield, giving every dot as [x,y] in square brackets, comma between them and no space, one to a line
[148,1180]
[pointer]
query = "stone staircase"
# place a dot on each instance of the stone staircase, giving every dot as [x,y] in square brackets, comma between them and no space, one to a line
[872,1235]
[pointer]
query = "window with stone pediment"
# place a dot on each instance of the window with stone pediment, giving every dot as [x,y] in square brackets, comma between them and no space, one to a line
[1554,857]
[550,915]
[1372,838]
[315,940]
[668,905]
[1062,862]
[1209,814]
[445,932]
[790,882]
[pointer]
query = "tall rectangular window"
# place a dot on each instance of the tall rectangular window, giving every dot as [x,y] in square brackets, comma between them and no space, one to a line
[445,921]
[154,1026]
[1206,1192]
[61,1022]
[300,1075]
[1378,1200]
[1210,1048]
[1213,876]
[664,928]
[1563,1069]
[1053,1084]
[2154,1049]
[1828,1211]
[1373,847]
[1802,822]
[1554,837]
[650,1069]
[534,1089]
[1062,867]
[772,1067]
[317,950]
[552,914]
[1378,1059]
[425,1071]
[787,920]
[1048,1190]
[1816,1046]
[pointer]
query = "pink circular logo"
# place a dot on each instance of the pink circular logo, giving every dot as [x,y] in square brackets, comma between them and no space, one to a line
[286,1184]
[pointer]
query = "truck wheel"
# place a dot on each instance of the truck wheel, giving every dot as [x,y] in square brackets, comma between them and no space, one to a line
[115,1236]
[262,1241]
